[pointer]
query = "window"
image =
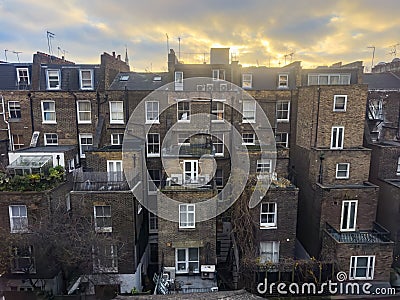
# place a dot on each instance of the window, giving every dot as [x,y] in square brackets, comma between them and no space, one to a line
[17,141]
[249,111]
[183,111]
[264,166]
[190,171]
[218,144]
[124,78]
[282,139]
[153,144]
[153,253]
[187,260]
[116,112]
[248,138]
[85,143]
[268,215]
[398,167]
[269,252]
[328,79]
[18,218]
[218,74]
[22,260]
[282,111]
[23,76]
[102,218]
[186,216]
[84,112]
[115,170]
[14,110]
[342,170]
[217,110]
[117,138]
[50,139]
[154,180]
[337,137]
[247,81]
[362,267]
[105,259]
[349,215]
[86,79]
[49,112]
[283,82]
[178,81]
[53,79]
[219,178]
[339,103]
[153,222]
[152,112]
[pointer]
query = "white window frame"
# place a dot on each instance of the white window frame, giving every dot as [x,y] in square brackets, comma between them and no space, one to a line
[14,110]
[81,112]
[50,137]
[115,170]
[273,253]
[218,110]
[17,141]
[281,110]
[218,74]
[154,181]
[21,218]
[247,81]
[190,175]
[183,139]
[116,117]
[117,139]
[219,177]
[350,206]
[283,81]
[247,136]
[85,136]
[187,261]
[369,268]
[153,223]
[104,215]
[269,209]
[218,142]
[187,211]
[53,75]
[154,114]
[154,144]
[50,111]
[84,82]
[335,99]
[251,111]
[343,79]
[182,111]
[398,167]
[263,168]
[97,263]
[178,81]
[284,143]
[336,137]
[19,77]
[347,170]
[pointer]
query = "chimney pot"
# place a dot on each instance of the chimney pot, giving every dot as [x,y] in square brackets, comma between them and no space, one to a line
[113,53]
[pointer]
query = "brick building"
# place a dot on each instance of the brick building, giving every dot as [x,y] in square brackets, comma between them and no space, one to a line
[337,203]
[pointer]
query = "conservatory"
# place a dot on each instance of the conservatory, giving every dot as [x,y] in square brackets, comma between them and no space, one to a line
[31,164]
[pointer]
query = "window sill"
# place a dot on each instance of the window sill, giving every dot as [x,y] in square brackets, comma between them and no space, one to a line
[150,122]
[153,155]
[183,121]
[342,178]
[282,120]
[105,229]
[117,122]
[20,231]
[84,122]
[247,121]
[268,227]
[14,120]
[187,228]
[218,121]
[49,122]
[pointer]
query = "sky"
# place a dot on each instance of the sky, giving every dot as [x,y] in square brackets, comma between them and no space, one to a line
[258,32]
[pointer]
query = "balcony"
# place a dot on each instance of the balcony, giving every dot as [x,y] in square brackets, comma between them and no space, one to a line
[101,181]
[188,150]
[378,235]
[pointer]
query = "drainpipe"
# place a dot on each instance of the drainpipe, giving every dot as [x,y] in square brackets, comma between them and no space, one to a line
[31,111]
[76,121]
[316,125]
[10,144]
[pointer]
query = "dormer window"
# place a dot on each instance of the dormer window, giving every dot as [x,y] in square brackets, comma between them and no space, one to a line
[86,79]
[53,80]
[23,76]
[283,82]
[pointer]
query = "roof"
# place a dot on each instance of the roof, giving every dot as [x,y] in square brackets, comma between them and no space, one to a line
[235,295]
[140,81]
[8,75]
[47,149]
[382,81]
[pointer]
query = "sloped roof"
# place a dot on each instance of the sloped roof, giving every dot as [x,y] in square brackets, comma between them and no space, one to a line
[140,81]
[8,75]
[382,81]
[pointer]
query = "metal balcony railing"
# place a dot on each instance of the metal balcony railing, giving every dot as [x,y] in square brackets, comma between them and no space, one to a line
[378,234]
[100,181]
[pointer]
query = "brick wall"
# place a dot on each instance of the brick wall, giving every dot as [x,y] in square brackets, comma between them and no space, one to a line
[110,67]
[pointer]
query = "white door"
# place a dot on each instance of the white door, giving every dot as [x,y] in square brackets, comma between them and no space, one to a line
[191,170]
[114,170]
